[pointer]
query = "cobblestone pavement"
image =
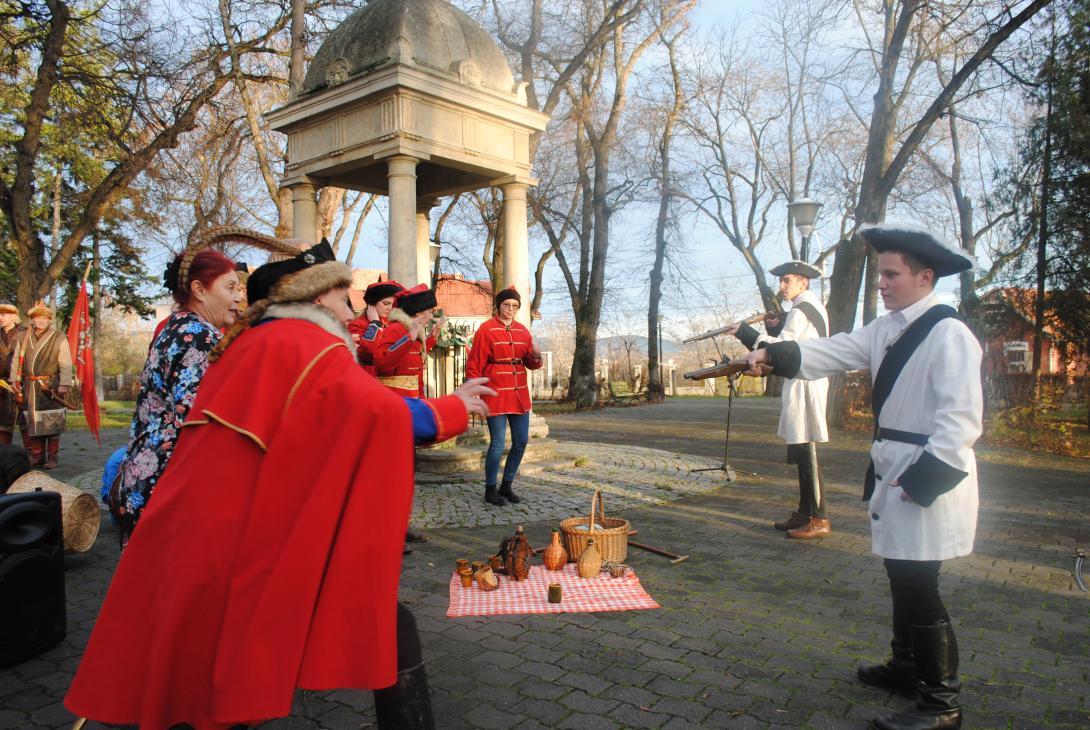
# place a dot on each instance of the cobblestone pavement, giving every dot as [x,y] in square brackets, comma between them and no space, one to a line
[754,630]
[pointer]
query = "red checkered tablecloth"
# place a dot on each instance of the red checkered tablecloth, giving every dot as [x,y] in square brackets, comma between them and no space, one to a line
[532,595]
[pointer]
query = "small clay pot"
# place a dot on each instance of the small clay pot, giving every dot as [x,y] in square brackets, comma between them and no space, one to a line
[555,593]
[460,565]
[495,563]
[466,576]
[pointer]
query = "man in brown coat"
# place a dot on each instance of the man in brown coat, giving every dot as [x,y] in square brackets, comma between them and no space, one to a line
[41,372]
[10,332]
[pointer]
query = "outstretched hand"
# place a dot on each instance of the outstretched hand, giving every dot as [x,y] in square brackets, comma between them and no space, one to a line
[470,393]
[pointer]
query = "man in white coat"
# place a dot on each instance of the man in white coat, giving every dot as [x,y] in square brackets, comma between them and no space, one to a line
[922,484]
[802,413]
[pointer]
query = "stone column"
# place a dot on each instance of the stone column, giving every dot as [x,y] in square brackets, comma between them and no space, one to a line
[516,245]
[304,212]
[401,172]
[423,240]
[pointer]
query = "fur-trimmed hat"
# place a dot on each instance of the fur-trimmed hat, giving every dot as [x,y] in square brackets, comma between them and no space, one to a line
[40,310]
[942,257]
[311,282]
[380,290]
[416,300]
[8,308]
[264,278]
[798,268]
[509,293]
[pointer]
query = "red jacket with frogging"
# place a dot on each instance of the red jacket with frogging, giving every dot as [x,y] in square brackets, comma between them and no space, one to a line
[398,360]
[503,353]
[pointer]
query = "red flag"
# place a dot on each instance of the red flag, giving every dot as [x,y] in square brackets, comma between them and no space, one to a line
[83,358]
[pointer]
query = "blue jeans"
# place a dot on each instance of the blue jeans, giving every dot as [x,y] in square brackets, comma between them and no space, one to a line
[497,431]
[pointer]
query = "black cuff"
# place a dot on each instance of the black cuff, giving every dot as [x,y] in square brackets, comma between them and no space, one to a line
[928,478]
[784,357]
[775,331]
[747,336]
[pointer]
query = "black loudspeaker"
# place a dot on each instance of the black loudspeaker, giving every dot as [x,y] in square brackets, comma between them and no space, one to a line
[32,604]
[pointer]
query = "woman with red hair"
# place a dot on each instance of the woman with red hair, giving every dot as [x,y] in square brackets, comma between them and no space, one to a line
[207,294]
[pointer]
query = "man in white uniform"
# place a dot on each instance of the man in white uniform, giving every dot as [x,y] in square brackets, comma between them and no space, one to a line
[922,485]
[802,414]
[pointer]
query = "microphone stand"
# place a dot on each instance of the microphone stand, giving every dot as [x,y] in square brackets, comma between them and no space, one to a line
[725,467]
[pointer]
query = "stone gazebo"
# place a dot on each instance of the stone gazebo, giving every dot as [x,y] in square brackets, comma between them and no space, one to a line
[412,99]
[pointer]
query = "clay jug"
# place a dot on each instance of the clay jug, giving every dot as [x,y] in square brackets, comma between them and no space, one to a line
[518,556]
[555,556]
[590,562]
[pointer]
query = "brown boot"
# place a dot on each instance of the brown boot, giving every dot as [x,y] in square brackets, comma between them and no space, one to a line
[36,448]
[815,528]
[797,519]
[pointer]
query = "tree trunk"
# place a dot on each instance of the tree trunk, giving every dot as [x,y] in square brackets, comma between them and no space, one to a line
[96,322]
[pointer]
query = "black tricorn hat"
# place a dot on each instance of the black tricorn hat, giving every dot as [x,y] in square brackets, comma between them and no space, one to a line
[264,278]
[380,290]
[944,258]
[416,300]
[798,268]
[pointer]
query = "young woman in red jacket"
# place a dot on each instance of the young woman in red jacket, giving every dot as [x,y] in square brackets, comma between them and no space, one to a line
[503,351]
[367,330]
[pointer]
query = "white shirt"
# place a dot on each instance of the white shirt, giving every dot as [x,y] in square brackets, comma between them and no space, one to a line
[802,410]
[939,394]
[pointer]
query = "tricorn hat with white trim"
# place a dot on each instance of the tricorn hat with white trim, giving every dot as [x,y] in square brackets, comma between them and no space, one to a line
[944,258]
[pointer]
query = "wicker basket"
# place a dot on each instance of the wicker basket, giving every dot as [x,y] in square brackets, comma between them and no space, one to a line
[79,510]
[612,540]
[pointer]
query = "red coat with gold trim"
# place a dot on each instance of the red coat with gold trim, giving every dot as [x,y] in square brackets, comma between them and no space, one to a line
[399,360]
[503,353]
[262,566]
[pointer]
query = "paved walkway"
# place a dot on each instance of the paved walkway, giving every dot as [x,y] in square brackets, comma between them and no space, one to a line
[755,630]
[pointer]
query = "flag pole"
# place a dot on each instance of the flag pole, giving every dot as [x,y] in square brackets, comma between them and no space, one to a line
[87,271]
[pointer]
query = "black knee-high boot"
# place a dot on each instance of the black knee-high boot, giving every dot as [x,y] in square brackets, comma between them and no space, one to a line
[407,704]
[937,707]
[899,672]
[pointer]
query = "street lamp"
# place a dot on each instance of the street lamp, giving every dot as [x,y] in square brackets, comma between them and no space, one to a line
[662,382]
[804,212]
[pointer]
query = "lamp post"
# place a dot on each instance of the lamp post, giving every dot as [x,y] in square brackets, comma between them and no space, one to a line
[804,212]
[662,382]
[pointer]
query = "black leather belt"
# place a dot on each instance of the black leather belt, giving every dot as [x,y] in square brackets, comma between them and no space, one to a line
[905,437]
[505,362]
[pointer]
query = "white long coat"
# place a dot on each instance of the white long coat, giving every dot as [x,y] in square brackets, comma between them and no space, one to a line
[802,410]
[939,394]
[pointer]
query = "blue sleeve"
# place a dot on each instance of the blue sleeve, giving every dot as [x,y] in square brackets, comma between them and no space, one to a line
[371,332]
[113,466]
[424,427]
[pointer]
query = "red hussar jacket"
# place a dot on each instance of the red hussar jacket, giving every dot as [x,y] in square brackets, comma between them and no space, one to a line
[367,336]
[399,361]
[502,353]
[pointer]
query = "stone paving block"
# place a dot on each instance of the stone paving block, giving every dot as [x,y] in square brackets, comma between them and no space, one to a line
[541,670]
[589,683]
[688,709]
[491,718]
[544,690]
[542,710]
[578,721]
[622,675]
[668,687]
[635,716]
[582,702]
[674,670]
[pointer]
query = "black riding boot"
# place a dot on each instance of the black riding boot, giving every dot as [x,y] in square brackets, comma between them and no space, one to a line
[492,497]
[899,672]
[937,707]
[507,493]
[406,705]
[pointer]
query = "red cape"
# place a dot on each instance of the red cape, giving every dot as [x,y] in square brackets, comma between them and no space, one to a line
[269,558]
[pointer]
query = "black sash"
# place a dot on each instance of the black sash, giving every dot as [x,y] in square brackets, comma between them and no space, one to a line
[814,316]
[897,356]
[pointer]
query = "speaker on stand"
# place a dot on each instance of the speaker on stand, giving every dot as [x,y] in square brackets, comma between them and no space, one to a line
[32,600]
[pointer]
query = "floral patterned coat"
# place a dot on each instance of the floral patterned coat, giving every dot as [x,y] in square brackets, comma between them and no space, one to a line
[176,363]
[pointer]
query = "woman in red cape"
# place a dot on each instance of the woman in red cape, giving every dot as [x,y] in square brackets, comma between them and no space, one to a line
[269,559]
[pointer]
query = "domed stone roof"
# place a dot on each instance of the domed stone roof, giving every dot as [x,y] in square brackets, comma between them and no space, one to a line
[428,33]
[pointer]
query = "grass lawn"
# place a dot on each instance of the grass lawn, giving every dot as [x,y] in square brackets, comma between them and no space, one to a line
[112,414]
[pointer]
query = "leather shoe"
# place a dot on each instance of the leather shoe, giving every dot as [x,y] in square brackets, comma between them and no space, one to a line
[796,520]
[412,536]
[815,528]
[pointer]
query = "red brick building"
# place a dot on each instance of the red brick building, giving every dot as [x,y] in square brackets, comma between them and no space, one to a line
[1007,317]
